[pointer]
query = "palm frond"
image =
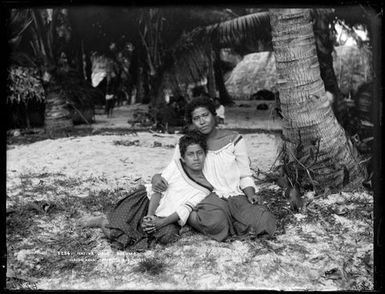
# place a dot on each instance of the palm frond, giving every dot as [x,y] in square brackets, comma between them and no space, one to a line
[234,32]
[191,51]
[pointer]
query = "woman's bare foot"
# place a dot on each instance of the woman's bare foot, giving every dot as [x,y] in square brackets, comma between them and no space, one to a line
[93,222]
[106,231]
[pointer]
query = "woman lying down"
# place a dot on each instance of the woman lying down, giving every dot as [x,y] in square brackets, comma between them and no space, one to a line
[145,217]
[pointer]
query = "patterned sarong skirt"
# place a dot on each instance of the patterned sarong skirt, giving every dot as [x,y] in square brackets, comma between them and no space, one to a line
[125,219]
[219,218]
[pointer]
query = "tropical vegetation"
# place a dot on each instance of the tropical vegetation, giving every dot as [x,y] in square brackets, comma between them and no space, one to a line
[164,55]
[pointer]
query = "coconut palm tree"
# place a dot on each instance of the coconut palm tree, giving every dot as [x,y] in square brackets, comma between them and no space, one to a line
[256,30]
[51,32]
[47,31]
[309,119]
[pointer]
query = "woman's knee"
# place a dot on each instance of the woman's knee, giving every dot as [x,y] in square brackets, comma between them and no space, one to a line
[218,218]
[192,219]
[211,222]
[168,234]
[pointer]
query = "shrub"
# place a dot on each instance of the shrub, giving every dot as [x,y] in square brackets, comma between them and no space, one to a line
[24,85]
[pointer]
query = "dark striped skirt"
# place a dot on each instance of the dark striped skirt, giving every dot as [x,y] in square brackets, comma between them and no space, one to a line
[219,218]
[125,223]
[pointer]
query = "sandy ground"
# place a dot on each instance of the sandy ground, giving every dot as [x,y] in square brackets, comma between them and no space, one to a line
[311,254]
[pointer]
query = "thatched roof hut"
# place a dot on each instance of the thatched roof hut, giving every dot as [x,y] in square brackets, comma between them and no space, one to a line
[257,71]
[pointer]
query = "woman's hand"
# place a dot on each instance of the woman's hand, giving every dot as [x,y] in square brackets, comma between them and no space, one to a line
[147,223]
[159,184]
[150,225]
[158,222]
[148,218]
[254,199]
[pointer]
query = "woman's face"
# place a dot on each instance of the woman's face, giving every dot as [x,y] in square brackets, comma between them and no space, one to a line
[203,120]
[194,157]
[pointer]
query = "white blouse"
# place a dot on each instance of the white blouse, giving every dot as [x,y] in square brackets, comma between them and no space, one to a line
[227,169]
[182,194]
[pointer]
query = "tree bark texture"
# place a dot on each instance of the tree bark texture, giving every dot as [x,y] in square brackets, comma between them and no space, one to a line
[211,76]
[139,86]
[57,114]
[308,115]
[219,81]
[324,41]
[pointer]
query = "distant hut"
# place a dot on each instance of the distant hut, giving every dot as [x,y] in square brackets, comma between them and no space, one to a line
[255,72]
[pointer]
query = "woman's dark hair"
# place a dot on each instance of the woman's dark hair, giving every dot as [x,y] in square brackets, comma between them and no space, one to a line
[192,137]
[200,101]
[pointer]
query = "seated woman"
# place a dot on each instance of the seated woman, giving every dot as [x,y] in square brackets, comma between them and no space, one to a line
[136,219]
[227,168]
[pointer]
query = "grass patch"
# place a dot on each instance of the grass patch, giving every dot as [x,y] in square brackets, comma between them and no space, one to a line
[279,207]
[209,260]
[14,283]
[126,142]
[67,182]
[56,253]
[153,266]
[29,138]
[19,222]
[101,201]
[41,187]
[59,246]
[71,250]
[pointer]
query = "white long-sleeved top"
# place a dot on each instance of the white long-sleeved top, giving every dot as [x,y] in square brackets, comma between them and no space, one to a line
[182,194]
[227,169]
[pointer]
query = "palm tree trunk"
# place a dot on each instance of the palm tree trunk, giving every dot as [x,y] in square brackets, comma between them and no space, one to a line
[83,61]
[139,86]
[27,120]
[219,81]
[57,115]
[211,76]
[325,46]
[308,115]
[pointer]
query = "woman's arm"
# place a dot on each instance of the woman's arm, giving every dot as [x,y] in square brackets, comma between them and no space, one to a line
[157,222]
[147,222]
[161,222]
[159,184]
[154,203]
[243,162]
[251,196]
[185,209]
